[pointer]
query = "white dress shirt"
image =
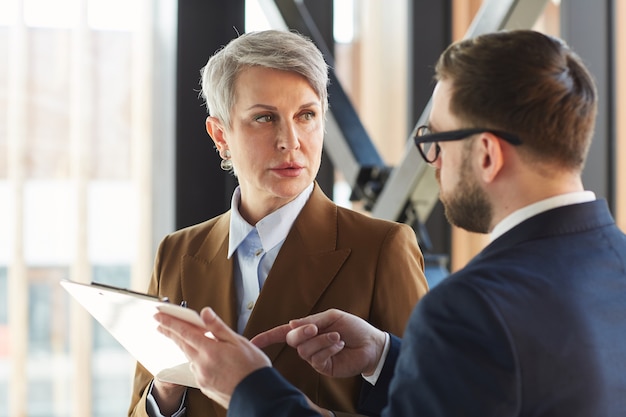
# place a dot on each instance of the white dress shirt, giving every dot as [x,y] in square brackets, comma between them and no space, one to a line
[256,248]
[527,212]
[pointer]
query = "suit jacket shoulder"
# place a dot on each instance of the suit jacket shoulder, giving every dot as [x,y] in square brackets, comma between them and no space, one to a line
[518,330]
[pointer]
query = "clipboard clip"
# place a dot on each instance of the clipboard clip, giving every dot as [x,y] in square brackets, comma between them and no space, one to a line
[167,300]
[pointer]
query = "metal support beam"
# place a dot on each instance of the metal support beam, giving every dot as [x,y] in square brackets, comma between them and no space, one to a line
[410,193]
[589,28]
[322,15]
[347,143]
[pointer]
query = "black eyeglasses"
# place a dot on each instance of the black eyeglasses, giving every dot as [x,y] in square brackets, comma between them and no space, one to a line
[428,143]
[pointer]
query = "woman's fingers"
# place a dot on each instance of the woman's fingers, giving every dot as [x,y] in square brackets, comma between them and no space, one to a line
[269,337]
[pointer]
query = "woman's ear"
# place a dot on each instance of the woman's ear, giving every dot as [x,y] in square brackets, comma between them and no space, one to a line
[215,129]
[492,158]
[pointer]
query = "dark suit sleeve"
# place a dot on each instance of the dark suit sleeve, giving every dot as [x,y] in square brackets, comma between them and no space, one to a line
[374,398]
[265,393]
[456,359]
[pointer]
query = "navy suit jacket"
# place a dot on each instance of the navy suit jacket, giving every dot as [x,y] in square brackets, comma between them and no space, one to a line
[535,325]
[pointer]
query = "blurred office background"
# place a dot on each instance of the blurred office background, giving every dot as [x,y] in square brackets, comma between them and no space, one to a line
[103,151]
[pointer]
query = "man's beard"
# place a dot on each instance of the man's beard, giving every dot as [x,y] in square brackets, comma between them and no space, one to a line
[467,206]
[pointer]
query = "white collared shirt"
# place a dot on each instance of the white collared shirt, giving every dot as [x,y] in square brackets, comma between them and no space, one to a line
[255,257]
[529,211]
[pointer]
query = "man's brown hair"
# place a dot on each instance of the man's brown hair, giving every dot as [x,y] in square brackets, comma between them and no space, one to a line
[526,83]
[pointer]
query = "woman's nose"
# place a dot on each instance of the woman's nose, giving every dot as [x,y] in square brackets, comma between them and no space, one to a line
[288,137]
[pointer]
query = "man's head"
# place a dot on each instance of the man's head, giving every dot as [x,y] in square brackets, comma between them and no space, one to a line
[281,50]
[526,83]
[533,104]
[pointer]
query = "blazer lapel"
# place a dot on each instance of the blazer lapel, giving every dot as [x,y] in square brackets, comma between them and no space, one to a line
[307,263]
[206,276]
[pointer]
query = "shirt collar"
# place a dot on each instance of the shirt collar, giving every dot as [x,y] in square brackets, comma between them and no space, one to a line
[272,228]
[527,212]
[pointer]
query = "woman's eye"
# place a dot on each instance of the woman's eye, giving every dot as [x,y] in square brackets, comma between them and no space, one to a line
[308,115]
[264,118]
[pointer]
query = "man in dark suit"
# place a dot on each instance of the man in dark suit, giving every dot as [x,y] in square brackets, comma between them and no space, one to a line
[535,324]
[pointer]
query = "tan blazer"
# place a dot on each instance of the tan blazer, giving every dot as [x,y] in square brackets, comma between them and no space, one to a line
[332,258]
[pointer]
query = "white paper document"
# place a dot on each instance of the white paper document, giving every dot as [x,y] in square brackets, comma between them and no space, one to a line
[129,317]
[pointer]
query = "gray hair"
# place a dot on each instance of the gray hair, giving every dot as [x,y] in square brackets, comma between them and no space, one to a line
[281,50]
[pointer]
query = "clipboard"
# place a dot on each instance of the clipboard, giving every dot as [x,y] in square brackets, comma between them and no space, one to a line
[129,317]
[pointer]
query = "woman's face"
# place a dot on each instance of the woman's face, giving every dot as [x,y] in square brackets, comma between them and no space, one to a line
[275,140]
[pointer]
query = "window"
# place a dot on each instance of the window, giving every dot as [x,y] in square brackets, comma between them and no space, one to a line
[79,133]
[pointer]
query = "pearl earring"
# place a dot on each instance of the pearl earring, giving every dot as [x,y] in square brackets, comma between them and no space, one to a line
[227,163]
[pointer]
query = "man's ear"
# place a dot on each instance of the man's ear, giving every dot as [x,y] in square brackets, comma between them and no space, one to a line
[215,129]
[492,157]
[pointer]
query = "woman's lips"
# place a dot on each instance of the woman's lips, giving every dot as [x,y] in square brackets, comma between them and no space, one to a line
[288,170]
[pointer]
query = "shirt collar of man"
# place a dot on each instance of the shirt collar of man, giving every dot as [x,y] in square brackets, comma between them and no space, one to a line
[272,228]
[527,212]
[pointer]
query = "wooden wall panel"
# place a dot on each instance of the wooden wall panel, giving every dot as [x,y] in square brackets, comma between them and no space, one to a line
[620,112]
